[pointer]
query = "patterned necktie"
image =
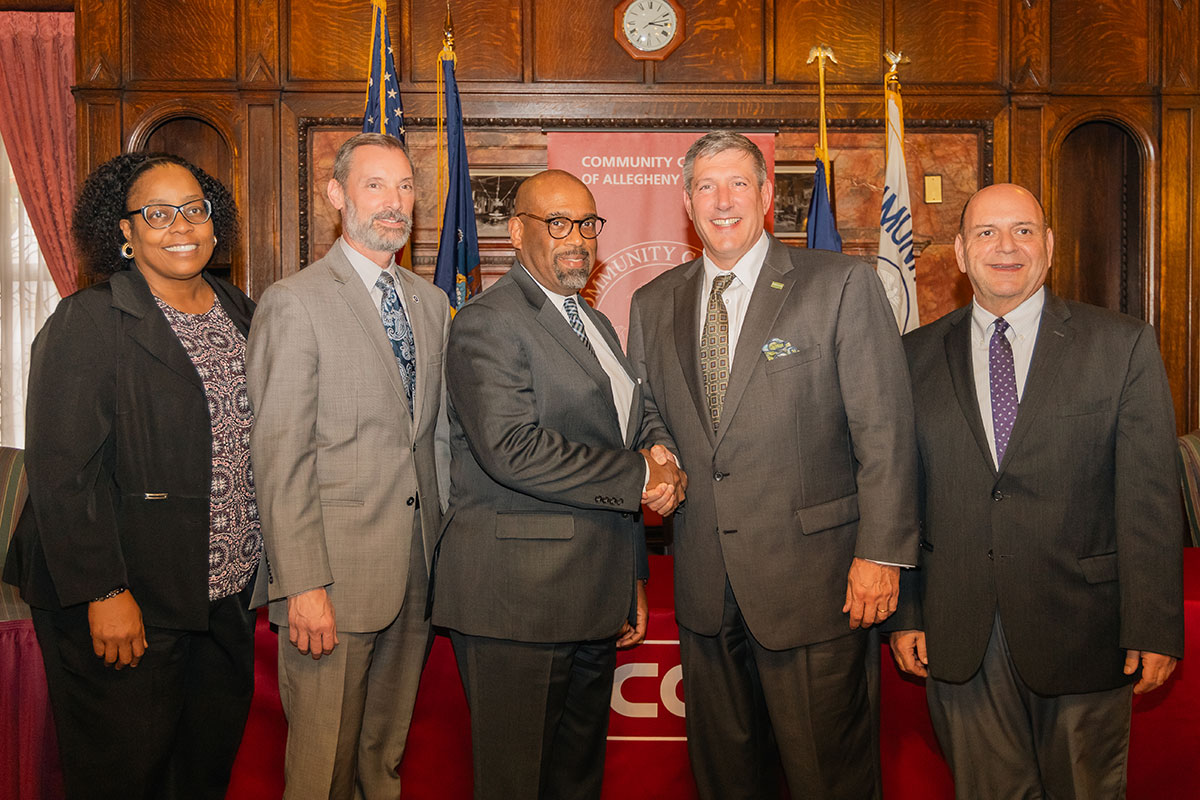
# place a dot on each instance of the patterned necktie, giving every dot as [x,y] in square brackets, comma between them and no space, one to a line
[714,348]
[1003,378]
[576,323]
[395,322]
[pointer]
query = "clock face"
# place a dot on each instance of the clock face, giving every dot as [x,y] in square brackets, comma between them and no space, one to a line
[650,25]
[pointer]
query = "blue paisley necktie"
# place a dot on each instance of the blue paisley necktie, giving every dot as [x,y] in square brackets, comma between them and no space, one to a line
[395,322]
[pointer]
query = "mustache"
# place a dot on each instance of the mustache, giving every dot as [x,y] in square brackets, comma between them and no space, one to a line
[392,215]
[573,252]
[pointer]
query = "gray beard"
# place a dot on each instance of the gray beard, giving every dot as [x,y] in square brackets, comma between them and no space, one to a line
[365,233]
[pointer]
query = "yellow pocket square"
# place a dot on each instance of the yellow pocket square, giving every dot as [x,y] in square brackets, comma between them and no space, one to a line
[778,348]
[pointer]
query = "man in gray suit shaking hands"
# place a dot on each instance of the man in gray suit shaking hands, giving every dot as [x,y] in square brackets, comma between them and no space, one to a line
[780,375]
[349,446]
[1051,563]
[541,565]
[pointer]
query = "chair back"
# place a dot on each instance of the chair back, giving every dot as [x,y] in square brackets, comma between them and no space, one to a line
[13,491]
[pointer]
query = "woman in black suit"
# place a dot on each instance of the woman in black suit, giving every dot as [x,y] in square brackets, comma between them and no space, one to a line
[140,543]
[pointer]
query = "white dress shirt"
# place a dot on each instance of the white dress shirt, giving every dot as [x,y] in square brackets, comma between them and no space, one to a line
[621,384]
[1022,333]
[737,294]
[369,271]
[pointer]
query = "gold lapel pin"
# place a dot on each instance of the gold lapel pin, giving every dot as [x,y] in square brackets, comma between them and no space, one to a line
[776,285]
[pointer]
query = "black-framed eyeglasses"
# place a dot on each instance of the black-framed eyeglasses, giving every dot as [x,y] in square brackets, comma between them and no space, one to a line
[561,227]
[162,215]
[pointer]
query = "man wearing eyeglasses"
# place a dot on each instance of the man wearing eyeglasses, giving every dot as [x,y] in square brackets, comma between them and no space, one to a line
[542,562]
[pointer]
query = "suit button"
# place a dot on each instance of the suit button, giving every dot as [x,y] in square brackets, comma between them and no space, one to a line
[599,499]
[410,501]
[718,476]
[997,495]
[620,501]
[990,555]
[625,515]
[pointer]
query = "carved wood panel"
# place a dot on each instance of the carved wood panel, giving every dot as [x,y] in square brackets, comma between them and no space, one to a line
[487,38]
[201,35]
[1100,42]
[725,43]
[1181,45]
[574,42]
[950,41]
[1179,331]
[1029,53]
[98,44]
[330,40]
[853,28]
[258,36]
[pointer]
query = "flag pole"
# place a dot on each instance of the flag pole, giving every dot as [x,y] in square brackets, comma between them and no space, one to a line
[447,54]
[819,54]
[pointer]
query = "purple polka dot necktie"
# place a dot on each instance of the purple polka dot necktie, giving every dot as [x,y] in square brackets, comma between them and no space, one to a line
[1003,378]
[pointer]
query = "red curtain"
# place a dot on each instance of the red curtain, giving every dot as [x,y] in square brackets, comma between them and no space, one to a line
[37,121]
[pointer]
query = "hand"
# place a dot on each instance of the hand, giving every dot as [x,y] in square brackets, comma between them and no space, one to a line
[1156,668]
[118,635]
[311,626]
[871,592]
[667,484]
[630,635]
[908,648]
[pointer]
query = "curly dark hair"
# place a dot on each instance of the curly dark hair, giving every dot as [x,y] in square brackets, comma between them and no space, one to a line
[101,205]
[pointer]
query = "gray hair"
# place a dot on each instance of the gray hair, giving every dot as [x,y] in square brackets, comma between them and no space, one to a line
[714,142]
[341,164]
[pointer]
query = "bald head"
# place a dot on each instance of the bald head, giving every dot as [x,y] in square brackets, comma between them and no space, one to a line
[561,265]
[1002,189]
[1003,246]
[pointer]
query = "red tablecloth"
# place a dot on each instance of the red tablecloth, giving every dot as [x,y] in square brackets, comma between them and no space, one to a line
[647,756]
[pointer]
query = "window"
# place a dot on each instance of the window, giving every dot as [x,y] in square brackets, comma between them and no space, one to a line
[27,297]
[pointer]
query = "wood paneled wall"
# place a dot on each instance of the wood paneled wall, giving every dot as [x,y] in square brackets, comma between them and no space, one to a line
[252,72]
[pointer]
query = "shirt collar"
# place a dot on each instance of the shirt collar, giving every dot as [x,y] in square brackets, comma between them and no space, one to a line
[747,267]
[554,297]
[1023,319]
[367,269]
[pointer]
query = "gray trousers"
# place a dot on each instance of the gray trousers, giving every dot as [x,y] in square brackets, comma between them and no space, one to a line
[750,709]
[1006,742]
[348,712]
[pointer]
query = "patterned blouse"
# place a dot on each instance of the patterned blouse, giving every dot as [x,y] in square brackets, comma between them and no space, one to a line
[218,351]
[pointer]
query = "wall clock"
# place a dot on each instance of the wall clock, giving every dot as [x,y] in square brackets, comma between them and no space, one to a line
[649,30]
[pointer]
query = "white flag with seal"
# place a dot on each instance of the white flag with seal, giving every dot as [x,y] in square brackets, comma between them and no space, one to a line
[896,263]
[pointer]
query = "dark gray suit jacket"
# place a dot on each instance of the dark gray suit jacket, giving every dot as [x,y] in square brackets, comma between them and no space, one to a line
[814,461]
[543,537]
[1076,539]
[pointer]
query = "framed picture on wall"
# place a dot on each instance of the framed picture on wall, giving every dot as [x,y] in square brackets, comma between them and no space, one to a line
[494,190]
[793,193]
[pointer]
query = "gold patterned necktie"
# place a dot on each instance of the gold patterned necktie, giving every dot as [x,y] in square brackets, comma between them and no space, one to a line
[714,348]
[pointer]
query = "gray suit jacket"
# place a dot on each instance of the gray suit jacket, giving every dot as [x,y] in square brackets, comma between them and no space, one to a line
[814,461]
[543,537]
[339,467]
[1075,540]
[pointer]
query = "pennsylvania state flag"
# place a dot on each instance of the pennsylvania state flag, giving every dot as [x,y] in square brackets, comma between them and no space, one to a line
[384,112]
[457,271]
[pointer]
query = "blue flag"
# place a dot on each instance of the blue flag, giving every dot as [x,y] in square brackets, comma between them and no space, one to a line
[384,111]
[457,271]
[822,228]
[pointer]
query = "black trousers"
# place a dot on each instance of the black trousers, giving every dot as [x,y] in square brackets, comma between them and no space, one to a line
[168,728]
[539,716]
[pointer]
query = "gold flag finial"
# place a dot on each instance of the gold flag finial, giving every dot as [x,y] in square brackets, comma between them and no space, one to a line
[448,30]
[822,52]
[895,60]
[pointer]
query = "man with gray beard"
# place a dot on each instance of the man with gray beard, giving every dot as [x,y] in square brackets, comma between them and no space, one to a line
[542,563]
[350,452]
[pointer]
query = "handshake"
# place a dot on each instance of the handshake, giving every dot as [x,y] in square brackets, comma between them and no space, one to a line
[667,482]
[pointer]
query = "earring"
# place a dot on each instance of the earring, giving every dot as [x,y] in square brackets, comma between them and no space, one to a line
[214,241]
[127,251]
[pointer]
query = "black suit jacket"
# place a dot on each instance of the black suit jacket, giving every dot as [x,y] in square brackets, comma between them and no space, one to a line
[1075,540]
[116,417]
[543,538]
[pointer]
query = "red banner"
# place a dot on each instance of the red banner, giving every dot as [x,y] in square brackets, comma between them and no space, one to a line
[637,180]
